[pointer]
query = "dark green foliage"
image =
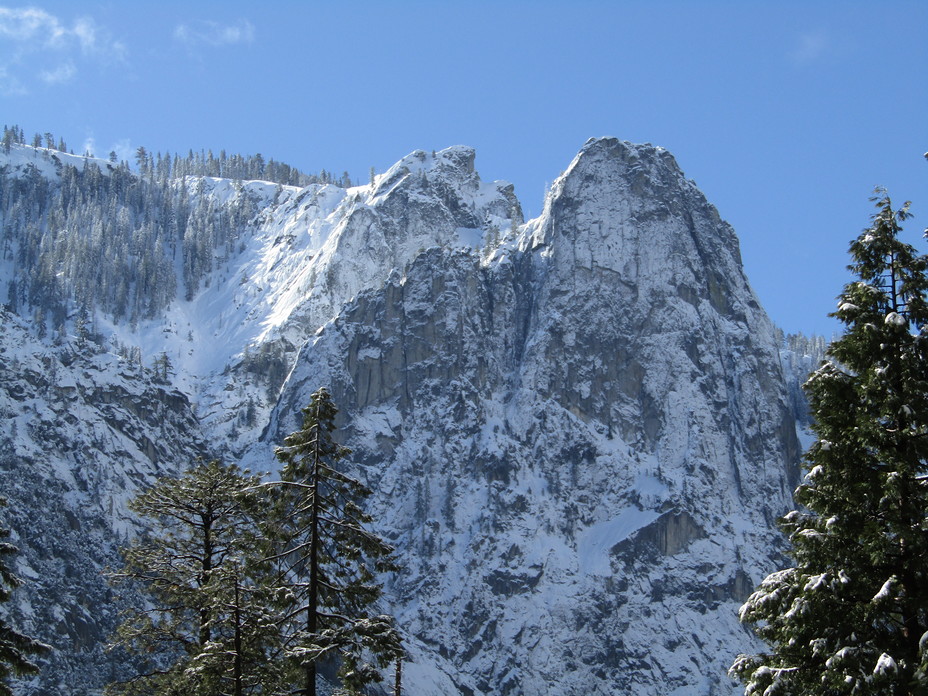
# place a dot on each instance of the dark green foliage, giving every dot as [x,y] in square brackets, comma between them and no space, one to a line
[327,560]
[15,648]
[252,585]
[270,365]
[209,630]
[851,617]
[162,369]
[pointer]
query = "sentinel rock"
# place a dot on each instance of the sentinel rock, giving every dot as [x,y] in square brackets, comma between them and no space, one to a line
[579,445]
[576,428]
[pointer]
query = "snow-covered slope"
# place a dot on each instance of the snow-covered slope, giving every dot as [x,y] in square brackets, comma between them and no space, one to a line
[80,432]
[576,428]
[579,446]
[307,252]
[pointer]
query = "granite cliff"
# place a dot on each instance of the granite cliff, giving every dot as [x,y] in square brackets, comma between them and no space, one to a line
[577,428]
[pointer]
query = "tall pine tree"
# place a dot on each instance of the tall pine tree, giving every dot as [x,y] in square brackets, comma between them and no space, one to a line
[208,630]
[851,616]
[328,560]
[16,649]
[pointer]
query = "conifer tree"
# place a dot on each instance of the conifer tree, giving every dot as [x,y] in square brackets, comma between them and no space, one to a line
[328,560]
[15,648]
[208,631]
[851,616]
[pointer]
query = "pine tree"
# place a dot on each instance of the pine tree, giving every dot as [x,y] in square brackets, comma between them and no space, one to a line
[328,560]
[851,616]
[15,648]
[162,369]
[208,630]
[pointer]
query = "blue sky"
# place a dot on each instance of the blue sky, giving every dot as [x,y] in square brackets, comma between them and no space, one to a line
[786,114]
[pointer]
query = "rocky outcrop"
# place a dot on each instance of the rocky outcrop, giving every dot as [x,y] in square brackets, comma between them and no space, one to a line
[80,432]
[316,249]
[579,446]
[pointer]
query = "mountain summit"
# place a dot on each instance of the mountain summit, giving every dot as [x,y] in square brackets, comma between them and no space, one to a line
[576,428]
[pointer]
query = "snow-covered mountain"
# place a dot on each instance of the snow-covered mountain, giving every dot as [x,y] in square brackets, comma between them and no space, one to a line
[577,427]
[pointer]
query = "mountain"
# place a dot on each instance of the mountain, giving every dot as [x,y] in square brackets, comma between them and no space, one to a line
[577,428]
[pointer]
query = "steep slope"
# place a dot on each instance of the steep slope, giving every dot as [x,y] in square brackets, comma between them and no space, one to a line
[576,428]
[306,253]
[579,446]
[80,432]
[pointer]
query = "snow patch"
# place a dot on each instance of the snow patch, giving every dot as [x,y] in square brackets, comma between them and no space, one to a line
[596,541]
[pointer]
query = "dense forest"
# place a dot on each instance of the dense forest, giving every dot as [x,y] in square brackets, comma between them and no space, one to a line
[118,239]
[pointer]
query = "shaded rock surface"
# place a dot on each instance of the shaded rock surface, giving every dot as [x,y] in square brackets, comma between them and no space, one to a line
[579,446]
[576,427]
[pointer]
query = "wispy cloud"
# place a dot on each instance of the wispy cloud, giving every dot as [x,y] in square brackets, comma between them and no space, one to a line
[33,26]
[809,48]
[206,33]
[33,36]
[63,73]
[123,149]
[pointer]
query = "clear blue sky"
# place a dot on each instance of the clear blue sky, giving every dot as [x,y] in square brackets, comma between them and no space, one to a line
[786,114]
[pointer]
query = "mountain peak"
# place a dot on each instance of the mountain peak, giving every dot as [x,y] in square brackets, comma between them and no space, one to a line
[626,157]
[578,447]
[457,160]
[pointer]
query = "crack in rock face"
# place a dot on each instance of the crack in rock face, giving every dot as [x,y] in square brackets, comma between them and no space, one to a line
[576,428]
[579,448]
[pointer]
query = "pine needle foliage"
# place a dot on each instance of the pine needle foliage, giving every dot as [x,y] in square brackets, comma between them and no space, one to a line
[208,630]
[851,616]
[16,649]
[328,561]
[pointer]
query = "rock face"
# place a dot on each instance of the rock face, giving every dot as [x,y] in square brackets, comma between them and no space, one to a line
[576,428]
[80,432]
[579,446]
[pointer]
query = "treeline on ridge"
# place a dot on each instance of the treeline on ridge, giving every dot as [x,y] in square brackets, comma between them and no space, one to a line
[119,241]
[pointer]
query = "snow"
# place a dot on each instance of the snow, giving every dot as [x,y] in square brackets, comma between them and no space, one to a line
[426,678]
[46,161]
[506,486]
[470,237]
[814,472]
[886,591]
[594,543]
[895,319]
[885,665]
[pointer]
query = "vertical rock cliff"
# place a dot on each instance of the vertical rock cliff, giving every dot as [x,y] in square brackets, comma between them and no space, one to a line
[579,443]
[576,428]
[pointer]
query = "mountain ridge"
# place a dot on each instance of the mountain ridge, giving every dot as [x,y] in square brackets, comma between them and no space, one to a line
[576,427]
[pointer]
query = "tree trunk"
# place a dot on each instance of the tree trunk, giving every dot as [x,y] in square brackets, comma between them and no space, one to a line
[311,610]
[237,667]
[206,568]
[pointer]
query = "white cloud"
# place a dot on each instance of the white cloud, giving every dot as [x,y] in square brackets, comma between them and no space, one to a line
[30,36]
[31,25]
[62,73]
[123,149]
[809,48]
[25,24]
[215,34]
[89,147]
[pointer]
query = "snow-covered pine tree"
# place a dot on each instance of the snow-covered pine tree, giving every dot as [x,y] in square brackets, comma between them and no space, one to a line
[15,648]
[208,630]
[328,560]
[851,616]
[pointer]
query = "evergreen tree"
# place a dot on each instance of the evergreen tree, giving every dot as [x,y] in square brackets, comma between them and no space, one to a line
[15,648]
[208,631]
[162,369]
[328,560]
[851,616]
